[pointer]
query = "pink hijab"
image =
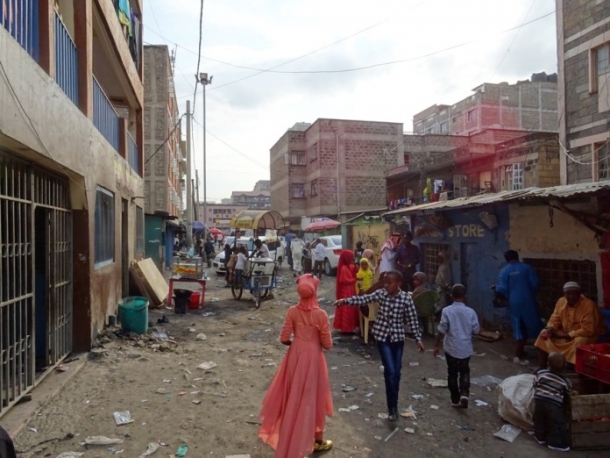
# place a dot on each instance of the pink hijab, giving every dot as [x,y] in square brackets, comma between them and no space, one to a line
[307,287]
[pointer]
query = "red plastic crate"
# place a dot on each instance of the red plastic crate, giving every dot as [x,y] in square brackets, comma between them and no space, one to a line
[594,361]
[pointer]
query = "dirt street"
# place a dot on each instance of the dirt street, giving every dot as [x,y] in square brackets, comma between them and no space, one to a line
[159,382]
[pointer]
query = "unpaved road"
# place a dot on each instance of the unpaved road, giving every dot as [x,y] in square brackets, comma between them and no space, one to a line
[243,342]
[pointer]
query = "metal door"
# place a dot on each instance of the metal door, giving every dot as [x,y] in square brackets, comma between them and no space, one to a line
[23,188]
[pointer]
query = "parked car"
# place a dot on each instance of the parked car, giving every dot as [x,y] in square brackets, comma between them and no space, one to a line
[334,246]
[276,250]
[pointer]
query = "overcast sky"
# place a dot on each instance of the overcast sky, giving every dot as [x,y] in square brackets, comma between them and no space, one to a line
[436,51]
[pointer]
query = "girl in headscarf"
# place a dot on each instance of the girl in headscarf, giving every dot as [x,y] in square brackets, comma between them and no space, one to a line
[364,277]
[346,320]
[370,256]
[419,283]
[295,407]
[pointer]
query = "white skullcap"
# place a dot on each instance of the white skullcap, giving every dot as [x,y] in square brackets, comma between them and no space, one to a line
[571,285]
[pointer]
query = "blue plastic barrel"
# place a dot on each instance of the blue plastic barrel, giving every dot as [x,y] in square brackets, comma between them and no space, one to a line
[133,314]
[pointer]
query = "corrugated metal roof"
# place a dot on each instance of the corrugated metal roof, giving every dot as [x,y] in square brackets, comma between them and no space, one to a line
[559,192]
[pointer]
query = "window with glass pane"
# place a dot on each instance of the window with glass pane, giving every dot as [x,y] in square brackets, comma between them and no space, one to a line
[104,227]
[602,57]
[298,191]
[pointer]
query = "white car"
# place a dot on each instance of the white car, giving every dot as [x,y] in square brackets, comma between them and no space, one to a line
[334,247]
[275,249]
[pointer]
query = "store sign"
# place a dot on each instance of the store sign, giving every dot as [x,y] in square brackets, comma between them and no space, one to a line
[466,230]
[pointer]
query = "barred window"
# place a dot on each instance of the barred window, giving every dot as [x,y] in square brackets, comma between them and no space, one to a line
[104,227]
[429,263]
[297,191]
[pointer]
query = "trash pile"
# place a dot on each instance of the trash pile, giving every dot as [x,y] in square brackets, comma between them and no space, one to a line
[156,339]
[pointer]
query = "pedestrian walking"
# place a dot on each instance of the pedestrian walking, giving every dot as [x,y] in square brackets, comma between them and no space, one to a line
[396,309]
[307,259]
[519,283]
[295,407]
[318,254]
[406,260]
[458,324]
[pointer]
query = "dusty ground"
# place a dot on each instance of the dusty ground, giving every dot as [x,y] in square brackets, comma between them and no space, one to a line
[243,342]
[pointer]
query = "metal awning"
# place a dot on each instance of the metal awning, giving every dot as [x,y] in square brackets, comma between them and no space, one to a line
[558,192]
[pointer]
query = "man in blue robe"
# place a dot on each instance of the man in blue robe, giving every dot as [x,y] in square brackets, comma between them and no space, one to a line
[519,283]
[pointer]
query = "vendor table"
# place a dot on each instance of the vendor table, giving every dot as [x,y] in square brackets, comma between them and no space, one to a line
[173,280]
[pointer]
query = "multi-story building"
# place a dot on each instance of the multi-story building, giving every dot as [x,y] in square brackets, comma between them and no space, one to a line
[164,159]
[70,177]
[332,167]
[583,48]
[529,105]
[219,215]
[263,185]
[451,166]
[254,200]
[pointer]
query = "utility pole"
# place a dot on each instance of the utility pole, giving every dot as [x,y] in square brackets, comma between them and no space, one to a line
[189,186]
[205,80]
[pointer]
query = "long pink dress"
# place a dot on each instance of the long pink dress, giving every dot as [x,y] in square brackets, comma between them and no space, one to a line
[299,399]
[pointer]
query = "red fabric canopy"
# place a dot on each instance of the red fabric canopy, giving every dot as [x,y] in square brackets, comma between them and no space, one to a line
[323,225]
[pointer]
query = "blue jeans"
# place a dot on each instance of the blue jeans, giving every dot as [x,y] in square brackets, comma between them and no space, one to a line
[391,357]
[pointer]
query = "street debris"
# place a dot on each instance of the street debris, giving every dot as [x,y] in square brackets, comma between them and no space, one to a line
[182,451]
[417,397]
[409,430]
[508,432]
[196,401]
[413,364]
[486,380]
[434,407]
[201,336]
[391,434]
[383,416]
[409,413]
[207,365]
[152,448]
[102,440]
[480,403]
[237,456]
[122,418]
[437,382]
[70,454]
[34,430]
[348,388]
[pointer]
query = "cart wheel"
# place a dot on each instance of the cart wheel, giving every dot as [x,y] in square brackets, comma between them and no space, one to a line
[256,292]
[237,291]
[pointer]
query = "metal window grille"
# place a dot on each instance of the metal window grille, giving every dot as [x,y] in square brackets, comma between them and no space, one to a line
[554,273]
[139,230]
[298,191]
[429,262]
[104,227]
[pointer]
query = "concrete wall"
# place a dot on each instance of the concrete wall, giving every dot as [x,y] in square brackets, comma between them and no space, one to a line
[581,28]
[161,171]
[73,147]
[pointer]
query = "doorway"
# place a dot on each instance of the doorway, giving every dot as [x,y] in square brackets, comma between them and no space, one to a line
[41,268]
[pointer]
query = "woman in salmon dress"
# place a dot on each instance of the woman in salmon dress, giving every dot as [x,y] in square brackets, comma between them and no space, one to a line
[295,407]
[346,321]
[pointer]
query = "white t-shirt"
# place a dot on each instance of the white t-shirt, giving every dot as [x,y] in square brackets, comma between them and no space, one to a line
[240,264]
[264,251]
[319,252]
[387,259]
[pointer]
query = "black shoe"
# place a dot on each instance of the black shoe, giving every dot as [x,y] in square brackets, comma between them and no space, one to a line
[393,415]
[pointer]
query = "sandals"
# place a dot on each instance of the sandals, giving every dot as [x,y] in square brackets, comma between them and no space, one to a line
[322,446]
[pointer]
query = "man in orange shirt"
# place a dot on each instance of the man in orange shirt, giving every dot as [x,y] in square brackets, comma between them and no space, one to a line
[576,321]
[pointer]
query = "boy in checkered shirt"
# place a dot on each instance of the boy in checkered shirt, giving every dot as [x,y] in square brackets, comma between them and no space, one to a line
[396,308]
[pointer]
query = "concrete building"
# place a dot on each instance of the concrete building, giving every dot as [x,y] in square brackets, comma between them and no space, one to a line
[254,200]
[529,105]
[583,48]
[219,215]
[70,178]
[450,166]
[333,166]
[164,159]
[263,185]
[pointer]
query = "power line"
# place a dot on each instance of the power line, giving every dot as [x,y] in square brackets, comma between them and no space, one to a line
[166,140]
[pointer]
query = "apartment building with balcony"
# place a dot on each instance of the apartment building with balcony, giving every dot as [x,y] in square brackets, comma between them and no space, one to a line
[71,181]
[164,159]
[219,215]
[333,167]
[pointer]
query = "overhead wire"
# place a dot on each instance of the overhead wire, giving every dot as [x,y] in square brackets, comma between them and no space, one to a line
[199,55]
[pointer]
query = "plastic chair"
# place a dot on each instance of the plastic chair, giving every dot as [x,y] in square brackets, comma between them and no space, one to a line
[365,320]
[425,304]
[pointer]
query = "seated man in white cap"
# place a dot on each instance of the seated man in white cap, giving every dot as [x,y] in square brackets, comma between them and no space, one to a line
[575,322]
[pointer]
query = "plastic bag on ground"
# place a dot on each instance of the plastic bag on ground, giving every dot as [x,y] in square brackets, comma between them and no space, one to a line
[516,400]
[508,432]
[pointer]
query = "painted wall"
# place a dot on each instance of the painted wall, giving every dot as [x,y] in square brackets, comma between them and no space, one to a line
[371,234]
[153,239]
[477,255]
